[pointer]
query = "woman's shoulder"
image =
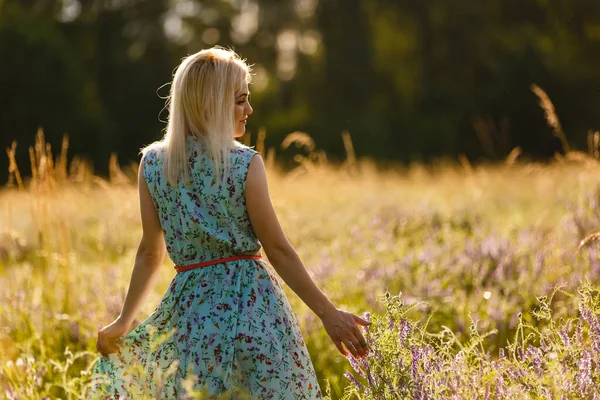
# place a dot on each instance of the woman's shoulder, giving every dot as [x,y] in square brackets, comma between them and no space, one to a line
[243,150]
[151,158]
[239,146]
[152,152]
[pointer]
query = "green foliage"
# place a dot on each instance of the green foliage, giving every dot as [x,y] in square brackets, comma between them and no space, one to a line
[475,254]
[410,80]
[42,78]
[406,362]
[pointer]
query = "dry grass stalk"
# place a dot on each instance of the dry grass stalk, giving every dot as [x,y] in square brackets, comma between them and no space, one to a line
[42,159]
[593,143]
[551,116]
[116,176]
[13,170]
[304,166]
[101,183]
[45,170]
[33,163]
[305,162]
[78,170]
[591,238]
[349,147]
[50,167]
[512,156]
[270,159]
[42,163]
[466,164]
[350,165]
[322,157]
[260,141]
[300,139]
[40,153]
[580,156]
[61,164]
[50,159]
[133,169]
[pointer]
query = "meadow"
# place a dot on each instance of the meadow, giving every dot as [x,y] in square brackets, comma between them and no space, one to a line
[474,275]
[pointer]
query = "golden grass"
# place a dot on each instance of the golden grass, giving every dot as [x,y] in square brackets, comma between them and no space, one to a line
[551,116]
[68,238]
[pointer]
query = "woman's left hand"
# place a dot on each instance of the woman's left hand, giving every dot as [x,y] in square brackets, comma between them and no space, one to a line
[107,337]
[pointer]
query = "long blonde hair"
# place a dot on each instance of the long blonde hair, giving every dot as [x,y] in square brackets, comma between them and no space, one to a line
[201,103]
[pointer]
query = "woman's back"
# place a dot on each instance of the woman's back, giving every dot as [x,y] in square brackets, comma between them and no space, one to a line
[225,321]
[225,325]
[203,221]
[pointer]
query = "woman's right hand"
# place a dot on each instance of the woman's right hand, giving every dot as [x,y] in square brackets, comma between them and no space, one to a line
[342,327]
[109,335]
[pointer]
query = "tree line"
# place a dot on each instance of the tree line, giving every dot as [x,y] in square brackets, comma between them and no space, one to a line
[410,80]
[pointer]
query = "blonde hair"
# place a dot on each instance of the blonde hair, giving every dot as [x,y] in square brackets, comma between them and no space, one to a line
[201,103]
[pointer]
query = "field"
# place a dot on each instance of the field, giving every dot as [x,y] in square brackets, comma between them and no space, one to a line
[474,248]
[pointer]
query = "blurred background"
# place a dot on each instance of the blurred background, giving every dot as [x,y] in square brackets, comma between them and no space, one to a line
[410,80]
[415,82]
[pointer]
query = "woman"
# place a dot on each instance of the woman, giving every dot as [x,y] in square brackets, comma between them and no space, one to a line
[225,321]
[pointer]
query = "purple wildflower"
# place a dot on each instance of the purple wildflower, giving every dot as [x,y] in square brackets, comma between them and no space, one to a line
[564,337]
[354,363]
[500,389]
[520,354]
[391,324]
[389,384]
[417,354]
[486,395]
[414,365]
[579,333]
[354,380]
[365,365]
[404,329]
[584,375]
[535,355]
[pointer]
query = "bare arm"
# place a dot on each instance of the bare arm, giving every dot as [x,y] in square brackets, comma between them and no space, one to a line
[149,257]
[278,249]
[341,326]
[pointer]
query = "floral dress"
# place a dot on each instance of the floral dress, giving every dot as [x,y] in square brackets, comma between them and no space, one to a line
[219,327]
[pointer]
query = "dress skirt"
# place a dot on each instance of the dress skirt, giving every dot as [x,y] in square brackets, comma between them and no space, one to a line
[218,329]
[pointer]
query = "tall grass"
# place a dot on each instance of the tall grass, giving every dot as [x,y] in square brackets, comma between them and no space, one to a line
[475,248]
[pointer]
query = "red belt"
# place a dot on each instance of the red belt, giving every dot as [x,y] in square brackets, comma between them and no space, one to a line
[212,262]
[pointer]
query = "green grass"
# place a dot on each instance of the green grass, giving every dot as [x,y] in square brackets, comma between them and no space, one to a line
[475,246]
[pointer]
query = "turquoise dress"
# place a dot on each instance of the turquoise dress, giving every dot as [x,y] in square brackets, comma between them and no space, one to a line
[218,327]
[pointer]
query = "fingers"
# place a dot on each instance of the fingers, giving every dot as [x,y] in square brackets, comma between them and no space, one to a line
[361,345]
[358,340]
[358,347]
[346,331]
[350,346]
[106,350]
[361,321]
[341,349]
[101,350]
[106,346]
[361,340]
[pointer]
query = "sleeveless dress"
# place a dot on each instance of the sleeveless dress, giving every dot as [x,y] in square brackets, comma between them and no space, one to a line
[219,327]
